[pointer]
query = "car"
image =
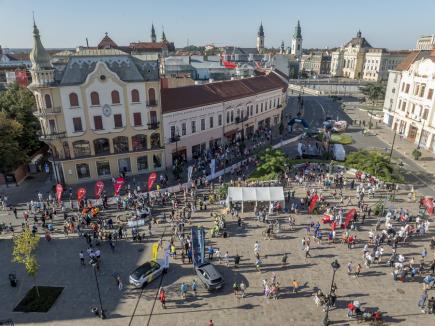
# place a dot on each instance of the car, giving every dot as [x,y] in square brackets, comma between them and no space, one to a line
[146,273]
[209,276]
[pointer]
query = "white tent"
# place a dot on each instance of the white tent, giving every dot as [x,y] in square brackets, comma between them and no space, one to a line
[255,194]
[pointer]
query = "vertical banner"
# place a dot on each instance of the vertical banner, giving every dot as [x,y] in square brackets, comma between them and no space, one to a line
[313,203]
[81,193]
[99,187]
[349,217]
[118,185]
[213,167]
[59,191]
[428,203]
[151,179]
[189,173]
[154,251]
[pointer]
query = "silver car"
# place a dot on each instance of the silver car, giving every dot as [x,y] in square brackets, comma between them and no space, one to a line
[209,276]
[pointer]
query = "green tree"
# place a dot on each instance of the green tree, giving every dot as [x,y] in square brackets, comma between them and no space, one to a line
[416,154]
[374,92]
[10,152]
[272,161]
[25,245]
[18,104]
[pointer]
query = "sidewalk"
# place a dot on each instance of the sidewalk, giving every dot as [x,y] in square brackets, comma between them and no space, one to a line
[386,135]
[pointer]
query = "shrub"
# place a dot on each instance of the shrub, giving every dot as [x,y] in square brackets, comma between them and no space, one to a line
[416,154]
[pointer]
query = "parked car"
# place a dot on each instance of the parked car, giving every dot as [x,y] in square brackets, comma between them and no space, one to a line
[209,276]
[146,273]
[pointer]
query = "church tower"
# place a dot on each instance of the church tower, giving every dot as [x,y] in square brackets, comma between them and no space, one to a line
[42,70]
[282,49]
[296,48]
[153,34]
[260,39]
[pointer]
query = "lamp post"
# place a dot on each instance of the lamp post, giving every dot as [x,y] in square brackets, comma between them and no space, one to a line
[101,312]
[335,266]
[392,146]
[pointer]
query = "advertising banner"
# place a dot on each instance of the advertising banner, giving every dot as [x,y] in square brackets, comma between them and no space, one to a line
[59,191]
[99,187]
[81,193]
[118,185]
[151,179]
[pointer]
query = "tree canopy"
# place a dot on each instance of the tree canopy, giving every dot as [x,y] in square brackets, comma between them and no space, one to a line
[374,91]
[10,150]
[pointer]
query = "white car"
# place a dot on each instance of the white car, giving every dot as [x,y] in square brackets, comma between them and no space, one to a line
[146,273]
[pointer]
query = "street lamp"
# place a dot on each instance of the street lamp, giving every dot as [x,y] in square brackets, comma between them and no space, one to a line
[94,266]
[392,146]
[335,266]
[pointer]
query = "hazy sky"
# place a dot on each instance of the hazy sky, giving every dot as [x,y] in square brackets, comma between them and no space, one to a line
[394,24]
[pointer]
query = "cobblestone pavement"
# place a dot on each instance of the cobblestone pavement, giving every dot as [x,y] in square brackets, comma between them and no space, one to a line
[60,266]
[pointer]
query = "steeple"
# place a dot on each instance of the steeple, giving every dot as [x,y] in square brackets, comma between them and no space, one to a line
[260,30]
[358,34]
[39,56]
[260,38]
[282,48]
[297,33]
[163,36]
[296,44]
[153,34]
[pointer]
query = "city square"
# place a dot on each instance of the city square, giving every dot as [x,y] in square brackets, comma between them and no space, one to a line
[276,173]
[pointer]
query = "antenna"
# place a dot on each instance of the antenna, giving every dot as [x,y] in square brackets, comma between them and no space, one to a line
[87,43]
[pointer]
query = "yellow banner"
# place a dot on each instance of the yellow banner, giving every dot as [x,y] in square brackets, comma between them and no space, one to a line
[154,251]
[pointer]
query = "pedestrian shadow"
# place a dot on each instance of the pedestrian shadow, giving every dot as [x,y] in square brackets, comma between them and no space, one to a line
[325,256]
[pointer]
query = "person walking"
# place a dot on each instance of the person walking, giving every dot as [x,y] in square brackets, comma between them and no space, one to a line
[349,268]
[194,287]
[183,289]
[82,258]
[242,289]
[162,297]
[295,286]
[284,260]
[358,270]
[307,251]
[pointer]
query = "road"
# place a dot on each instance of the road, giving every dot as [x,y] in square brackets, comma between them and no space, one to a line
[317,108]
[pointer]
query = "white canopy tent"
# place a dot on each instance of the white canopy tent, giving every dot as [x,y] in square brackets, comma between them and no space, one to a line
[255,194]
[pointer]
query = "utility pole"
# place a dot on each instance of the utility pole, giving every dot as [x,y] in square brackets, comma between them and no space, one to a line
[392,146]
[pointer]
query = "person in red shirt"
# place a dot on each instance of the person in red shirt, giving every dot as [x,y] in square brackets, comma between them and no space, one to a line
[162,297]
[210,323]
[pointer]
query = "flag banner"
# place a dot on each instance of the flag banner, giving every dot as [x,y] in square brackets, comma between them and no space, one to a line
[59,191]
[154,251]
[189,173]
[349,217]
[428,203]
[118,185]
[151,179]
[99,187]
[81,193]
[313,203]
[213,167]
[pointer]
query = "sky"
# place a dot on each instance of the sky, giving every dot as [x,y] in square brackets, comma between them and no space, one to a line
[393,24]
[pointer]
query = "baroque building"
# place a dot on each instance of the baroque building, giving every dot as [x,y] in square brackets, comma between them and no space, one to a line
[99,111]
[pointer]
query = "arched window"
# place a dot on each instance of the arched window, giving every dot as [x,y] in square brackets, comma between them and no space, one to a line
[101,146]
[120,144]
[95,98]
[47,99]
[139,142]
[73,100]
[155,141]
[228,116]
[135,98]
[151,97]
[81,148]
[115,97]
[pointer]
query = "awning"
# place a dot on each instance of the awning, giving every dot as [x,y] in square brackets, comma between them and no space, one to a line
[230,133]
[246,194]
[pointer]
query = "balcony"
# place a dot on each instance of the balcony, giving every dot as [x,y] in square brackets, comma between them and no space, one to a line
[46,111]
[174,138]
[153,125]
[241,119]
[152,103]
[53,136]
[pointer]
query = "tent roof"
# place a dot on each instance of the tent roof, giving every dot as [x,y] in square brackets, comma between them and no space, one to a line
[255,194]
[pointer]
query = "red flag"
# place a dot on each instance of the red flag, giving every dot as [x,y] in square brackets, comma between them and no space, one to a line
[229,64]
[151,179]
[81,193]
[313,202]
[118,185]
[349,217]
[59,191]
[99,187]
[428,203]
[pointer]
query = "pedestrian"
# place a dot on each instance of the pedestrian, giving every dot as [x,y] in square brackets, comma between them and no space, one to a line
[162,297]
[236,260]
[307,251]
[227,259]
[210,252]
[15,212]
[183,289]
[349,268]
[295,286]
[210,323]
[284,260]
[194,287]
[82,258]
[242,289]
[236,289]
[258,264]
[358,270]
[303,243]
[120,284]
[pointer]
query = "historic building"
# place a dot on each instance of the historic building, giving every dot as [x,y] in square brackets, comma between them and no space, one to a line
[196,118]
[296,42]
[315,64]
[14,67]
[99,111]
[378,62]
[426,43]
[260,39]
[409,107]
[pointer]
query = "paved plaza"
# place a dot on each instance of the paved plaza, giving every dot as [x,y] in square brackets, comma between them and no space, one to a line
[375,288]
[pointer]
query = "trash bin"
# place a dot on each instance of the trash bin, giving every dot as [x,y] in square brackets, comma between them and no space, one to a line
[13,279]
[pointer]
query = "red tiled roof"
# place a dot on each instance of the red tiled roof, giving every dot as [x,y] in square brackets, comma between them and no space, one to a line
[181,98]
[413,57]
[107,43]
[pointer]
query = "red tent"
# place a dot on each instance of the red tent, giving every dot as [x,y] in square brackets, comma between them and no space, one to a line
[229,64]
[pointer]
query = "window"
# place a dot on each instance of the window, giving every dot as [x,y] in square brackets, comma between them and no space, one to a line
[73,100]
[151,97]
[83,171]
[98,122]
[425,114]
[77,122]
[211,122]
[228,117]
[157,161]
[256,108]
[137,119]
[172,132]
[155,141]
[120,144]
[81,148]
[142,163]
[252,110]
[403,106]
[393,90]
[193,125]
[202,124]
[261,108]
[95,98]
[103,168]
[183,129]
[153,117]
[135,98]
[422,89]
[232,115]
[117,118]
[115,97]
[139,142]
[48,103]
[430,94]
[124,165]
[220,120]
[101,146]
[52,126]
[413,108]
[407,88]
